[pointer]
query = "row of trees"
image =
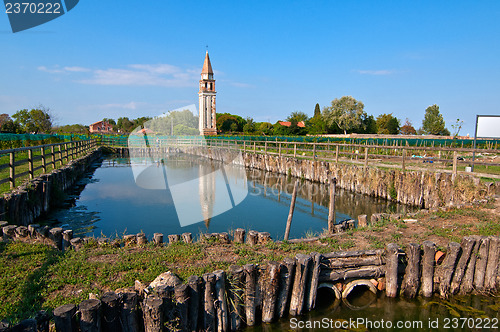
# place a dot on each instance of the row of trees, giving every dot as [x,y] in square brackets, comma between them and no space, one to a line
[34,121]
[344,115]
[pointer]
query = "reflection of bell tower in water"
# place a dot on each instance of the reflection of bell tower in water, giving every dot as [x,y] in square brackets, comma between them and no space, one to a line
[207,122]
[206,173]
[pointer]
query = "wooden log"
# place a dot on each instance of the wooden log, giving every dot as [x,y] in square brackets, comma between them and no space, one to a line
[299,284]
[313,285]
[481,264]
[141,239]
[350,262]
[66,241]
[9,232]
[346,254]
[250,293]
[129,317]
[181,293]
[290,213]
[187,237]
[270,293]
[76,243]
[65,318]
[239,235]
[467,285]
[287,275]
[166,294]
[195,300]
[111,312]
[2,225]
[90,315]
[252,237]
[56,236]
[467,246]
[411,280]
[331,207]
[342,274]
[158,238]
[209,322]
[492,267]
[152,312]
[43,232]
[224,238]
[22,232]
[32,229]
[444,272]
[264,237]
[222,308]
[236,283]
[391,270]
[362,220]
[428,261]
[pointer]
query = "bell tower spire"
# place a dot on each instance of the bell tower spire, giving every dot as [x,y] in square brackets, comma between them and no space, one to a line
[207,93]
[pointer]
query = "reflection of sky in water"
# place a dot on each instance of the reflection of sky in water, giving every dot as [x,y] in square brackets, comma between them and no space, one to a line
[111,203]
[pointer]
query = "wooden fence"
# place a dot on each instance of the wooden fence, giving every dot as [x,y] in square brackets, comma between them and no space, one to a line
[44,156]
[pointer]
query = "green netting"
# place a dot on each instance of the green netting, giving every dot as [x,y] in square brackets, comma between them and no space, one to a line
[12,141]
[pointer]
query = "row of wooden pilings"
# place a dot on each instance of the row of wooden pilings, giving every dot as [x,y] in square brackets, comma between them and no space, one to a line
[250,294]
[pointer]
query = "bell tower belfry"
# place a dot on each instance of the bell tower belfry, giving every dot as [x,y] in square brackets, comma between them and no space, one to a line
[207,99]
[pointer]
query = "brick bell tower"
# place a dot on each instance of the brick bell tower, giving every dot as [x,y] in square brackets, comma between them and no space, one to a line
[207,99]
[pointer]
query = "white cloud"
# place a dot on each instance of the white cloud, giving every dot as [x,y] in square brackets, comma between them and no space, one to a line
[131,105]
[55,70]
[76,69]
[376,72]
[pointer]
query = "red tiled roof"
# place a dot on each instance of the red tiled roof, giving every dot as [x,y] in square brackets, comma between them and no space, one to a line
[300,124]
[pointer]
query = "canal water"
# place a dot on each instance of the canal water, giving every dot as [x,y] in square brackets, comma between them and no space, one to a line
[182,193]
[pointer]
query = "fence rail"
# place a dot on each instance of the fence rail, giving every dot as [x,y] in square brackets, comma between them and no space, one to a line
[42,157]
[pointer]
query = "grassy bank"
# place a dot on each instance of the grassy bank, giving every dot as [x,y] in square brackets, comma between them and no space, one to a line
[36,276]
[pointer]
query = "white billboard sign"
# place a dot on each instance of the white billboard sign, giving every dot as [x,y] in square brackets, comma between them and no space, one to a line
[488,126]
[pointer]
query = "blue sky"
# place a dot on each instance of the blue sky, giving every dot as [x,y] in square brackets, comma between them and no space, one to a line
[137,58]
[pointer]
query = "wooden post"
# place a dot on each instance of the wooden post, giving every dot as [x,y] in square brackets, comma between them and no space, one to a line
[195,299]
[313,289]
[90,316]
[290,213]
[287,276]
[30,164]
[336,154]
[411,280]
[222,309]
[65,318]
[295,150]
[244,146]
[129,312]
[455,162]
[279,149]
[270,291]
[111,312]
[173,238]
[481,264]
[391,267]
[209,323]
[299,284]
[331,206]
[52,157]
[181,293]
[366,157]
[403,163]
[152,312]
[493,259]
[44,164]
[252,237]
[428,262]
[250,293]
[158,238]
[67,235]
[444,272]
[254,147]
[12,168]
[236,296]
[60,155]
[239,235]
[467,245]
[314,151]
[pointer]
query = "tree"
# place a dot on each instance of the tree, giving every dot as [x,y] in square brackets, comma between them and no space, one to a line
[433,123]
[124,124]
[317,111]
[297,116]
[37,120]
[407,128]
[387,124]
[316,125]
[225,122]
[264,128]
[456,127]
[249,127]
[345,112]
[110,121]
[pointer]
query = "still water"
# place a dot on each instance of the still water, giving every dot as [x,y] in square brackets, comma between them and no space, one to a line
[189,194]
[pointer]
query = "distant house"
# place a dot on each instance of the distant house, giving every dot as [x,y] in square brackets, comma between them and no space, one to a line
[300,124]
[101,127]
